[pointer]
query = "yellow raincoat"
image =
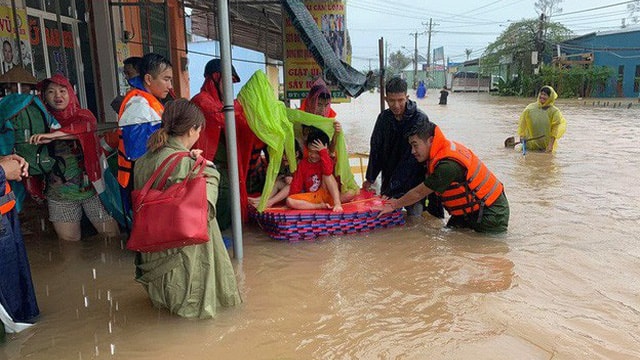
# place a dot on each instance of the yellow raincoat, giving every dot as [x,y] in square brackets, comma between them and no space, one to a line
[274,124]
[540,122]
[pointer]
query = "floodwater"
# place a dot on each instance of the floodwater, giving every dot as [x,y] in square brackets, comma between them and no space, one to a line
[562,283]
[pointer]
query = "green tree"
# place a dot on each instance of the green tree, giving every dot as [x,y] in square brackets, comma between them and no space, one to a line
[515,44]
[397,62]
[634,11]
[548,7]
[468,52]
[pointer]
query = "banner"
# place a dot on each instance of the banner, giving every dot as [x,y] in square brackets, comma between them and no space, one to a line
[438,54]
[9,57]
[300,68]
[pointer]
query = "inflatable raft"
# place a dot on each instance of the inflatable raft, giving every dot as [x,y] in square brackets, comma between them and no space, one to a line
[360,215]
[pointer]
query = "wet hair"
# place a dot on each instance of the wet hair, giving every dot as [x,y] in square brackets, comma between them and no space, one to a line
[298,147]
[178,118]
[423,129]
[153,64]
[317,134]
[546,90]
[395,85]
[215,66]
[134,61]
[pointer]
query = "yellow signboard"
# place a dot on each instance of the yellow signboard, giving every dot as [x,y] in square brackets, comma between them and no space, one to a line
[9,55]
[300,68]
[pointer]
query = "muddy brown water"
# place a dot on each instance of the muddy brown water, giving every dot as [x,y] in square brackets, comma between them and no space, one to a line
[562,283]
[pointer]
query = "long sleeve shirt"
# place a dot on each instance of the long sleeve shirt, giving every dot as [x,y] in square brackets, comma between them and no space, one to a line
[390,152]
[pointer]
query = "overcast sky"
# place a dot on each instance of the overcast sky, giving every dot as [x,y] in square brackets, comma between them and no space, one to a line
[462,24]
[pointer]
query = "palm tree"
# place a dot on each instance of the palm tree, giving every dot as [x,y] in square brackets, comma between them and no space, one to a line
[468,52]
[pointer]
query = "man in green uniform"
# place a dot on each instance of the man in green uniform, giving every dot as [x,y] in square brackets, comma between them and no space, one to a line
[469,191]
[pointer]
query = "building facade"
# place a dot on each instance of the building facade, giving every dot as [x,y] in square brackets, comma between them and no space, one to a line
[619,50]
[87,40]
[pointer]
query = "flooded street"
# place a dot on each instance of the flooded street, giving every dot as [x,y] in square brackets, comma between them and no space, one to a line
[562,283]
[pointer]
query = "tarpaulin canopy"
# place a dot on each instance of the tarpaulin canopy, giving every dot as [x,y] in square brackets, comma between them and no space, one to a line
[350,80]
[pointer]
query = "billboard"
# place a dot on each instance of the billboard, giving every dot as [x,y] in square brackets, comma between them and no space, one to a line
[9,56]
[438,54]
[300,68]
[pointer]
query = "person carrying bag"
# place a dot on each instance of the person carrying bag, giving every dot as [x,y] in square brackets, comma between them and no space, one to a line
[195,280]
[172,217]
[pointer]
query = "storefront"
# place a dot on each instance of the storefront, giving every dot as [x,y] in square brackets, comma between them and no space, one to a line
[87,41]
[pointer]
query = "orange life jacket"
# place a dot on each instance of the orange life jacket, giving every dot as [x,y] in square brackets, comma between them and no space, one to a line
[125,166]
[481,187]
[8,200]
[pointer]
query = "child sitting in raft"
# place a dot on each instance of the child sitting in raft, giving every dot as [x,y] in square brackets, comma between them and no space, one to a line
[283,181]
[313,185]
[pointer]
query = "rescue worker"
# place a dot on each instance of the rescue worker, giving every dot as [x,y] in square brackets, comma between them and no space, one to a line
[469,191]
[141,112]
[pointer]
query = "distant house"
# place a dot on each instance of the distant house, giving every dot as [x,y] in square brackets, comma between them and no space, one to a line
[420,75]
[619,50]
[465,78]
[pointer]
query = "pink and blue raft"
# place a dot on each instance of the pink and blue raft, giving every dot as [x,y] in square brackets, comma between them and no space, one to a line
[360,215]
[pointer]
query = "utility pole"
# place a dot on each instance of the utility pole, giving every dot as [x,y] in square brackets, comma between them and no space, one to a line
[415,59]
[386,54]
[429,47]
[383,68]
[540,38]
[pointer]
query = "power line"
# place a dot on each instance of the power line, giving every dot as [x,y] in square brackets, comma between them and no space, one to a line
[492,10]
[383,8]
[595,8]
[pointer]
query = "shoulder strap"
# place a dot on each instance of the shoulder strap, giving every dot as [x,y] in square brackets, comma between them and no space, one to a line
[175,157]
[200,162]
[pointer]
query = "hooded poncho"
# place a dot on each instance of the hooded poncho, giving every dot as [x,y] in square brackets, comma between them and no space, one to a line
[539,122]
[310,103]
[79,122]
[209,101]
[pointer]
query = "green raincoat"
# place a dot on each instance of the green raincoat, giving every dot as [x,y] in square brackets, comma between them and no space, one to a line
[274,124]
[191,281]
[539,122]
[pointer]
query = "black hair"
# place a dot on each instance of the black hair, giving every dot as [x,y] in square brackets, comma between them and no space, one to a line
[215,66]
[133,61]
[423,129]
[298,149]
[546,90]
[153,64]
[395,85]
[317,134]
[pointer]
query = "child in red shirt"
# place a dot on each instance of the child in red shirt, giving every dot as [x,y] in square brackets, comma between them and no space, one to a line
[313,185]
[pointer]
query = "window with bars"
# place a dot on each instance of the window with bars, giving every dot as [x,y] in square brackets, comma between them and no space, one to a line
[154,25]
